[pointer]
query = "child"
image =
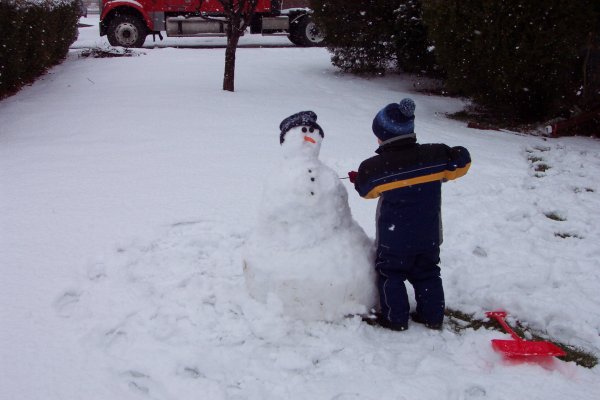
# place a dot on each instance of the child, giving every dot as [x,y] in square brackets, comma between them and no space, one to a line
[407,177]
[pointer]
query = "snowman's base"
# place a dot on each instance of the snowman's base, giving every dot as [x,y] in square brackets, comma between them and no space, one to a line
[309,297]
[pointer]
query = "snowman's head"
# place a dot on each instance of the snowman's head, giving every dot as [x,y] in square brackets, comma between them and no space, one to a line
[301,135]
[302,141]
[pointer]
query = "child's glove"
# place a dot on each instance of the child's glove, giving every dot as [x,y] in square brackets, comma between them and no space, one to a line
[352,175]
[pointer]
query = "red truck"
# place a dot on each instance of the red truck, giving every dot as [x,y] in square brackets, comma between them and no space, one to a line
[128,22]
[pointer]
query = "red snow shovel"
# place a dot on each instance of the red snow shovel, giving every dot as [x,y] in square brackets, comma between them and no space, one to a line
[521,347]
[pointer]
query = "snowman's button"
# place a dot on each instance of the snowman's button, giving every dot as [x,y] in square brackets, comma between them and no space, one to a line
[312,179]
[312,193]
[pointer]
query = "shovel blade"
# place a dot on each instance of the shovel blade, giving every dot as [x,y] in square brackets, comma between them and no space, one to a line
[513,348]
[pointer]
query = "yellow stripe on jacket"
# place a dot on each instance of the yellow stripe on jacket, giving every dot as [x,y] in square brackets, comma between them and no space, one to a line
[438,176]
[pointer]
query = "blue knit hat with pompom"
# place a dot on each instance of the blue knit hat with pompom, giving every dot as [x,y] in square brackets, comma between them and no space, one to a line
[395,120]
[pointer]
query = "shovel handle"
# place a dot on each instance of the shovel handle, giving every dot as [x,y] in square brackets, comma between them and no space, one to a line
[499,316]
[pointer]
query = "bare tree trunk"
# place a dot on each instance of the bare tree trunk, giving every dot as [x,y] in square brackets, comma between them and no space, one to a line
[233,37]
[239,14]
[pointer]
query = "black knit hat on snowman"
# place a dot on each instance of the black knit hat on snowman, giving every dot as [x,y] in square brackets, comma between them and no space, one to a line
[303,118]
[395,121]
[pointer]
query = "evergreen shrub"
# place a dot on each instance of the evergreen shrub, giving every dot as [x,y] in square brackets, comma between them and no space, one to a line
[34,36]
[523,59]
[372,36]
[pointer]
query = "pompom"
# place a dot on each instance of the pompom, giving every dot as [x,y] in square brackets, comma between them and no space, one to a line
[407,107]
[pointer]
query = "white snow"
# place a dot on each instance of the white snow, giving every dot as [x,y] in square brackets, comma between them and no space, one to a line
[129,188]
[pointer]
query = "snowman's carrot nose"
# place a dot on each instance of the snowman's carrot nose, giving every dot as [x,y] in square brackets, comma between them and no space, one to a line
[309,139]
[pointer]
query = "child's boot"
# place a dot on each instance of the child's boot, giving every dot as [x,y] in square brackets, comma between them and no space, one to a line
[418,319]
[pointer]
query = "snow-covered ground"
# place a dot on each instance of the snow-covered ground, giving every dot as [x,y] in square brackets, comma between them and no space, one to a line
[129,186]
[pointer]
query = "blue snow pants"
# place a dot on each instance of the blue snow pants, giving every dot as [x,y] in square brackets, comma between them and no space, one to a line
[423,273]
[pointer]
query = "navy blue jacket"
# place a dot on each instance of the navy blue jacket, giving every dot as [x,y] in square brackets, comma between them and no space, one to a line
[407,177]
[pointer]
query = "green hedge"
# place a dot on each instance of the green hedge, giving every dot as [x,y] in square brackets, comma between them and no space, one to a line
[522,59]
[34,36]
[372,36]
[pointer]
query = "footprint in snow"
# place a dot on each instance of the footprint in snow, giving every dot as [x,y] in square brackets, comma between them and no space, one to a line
[475,392]
[351,396]
[480,251]
[66,304]
[96,272]
[191,372]
[144,384]
[138,381]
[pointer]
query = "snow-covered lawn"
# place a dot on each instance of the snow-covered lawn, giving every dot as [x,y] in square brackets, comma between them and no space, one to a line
[129,186]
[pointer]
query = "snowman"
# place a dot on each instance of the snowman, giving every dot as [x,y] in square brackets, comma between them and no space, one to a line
[306,250]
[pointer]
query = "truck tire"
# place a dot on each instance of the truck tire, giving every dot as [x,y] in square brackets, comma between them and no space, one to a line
[126,31]
[304,32]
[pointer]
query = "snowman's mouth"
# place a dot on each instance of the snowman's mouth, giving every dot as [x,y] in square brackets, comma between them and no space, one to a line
[309,139]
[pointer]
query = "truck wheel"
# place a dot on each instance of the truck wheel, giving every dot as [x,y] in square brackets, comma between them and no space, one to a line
[304,32]
[126,31]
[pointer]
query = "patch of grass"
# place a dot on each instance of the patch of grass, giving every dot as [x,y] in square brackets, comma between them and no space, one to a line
[482,118]
[554,216]
[565,235]
[587,190]
[109,52]
[460,321]
[541,167]
[534,159]
[462,115]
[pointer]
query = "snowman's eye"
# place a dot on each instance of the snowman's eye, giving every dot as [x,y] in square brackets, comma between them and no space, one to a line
[304,129]
[311,130]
